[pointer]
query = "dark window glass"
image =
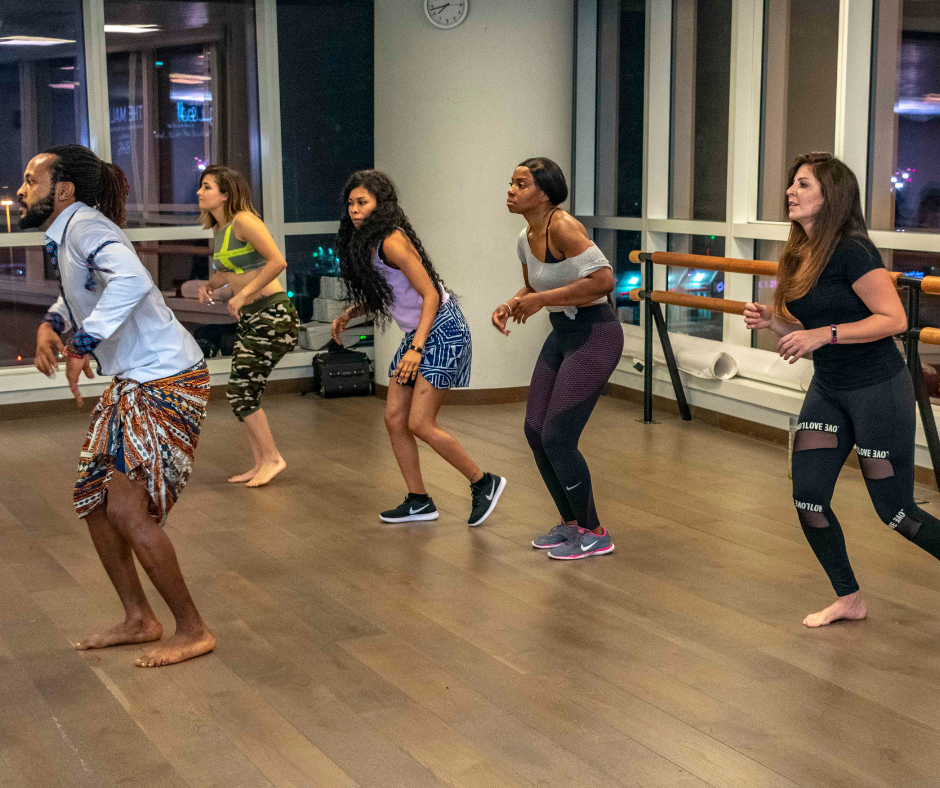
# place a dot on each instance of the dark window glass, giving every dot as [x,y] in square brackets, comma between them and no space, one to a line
[616,246]
[308,258]
[43,95]
[764,287]
[700,282]
[325,57]
[904,164]
[42,86]
[701,79]
[621,81]
[182,90]
[26,291]
[798,95]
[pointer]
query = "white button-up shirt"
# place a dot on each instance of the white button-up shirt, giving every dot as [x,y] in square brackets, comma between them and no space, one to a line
[141,338]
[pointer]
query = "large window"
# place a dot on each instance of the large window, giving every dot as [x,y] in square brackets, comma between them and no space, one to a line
[621,62]
[42,86]
[43,95]
[764,287]
[699,282]
[904,160]
[308,258]
[616,246]
[325,55]
[182,90]
[798,97]
[701,73]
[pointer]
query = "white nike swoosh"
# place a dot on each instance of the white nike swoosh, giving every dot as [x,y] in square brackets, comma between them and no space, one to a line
[492,491]
[586,547]
[415,511]
[572,486]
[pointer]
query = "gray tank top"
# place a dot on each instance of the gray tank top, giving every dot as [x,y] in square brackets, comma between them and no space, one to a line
[553,274]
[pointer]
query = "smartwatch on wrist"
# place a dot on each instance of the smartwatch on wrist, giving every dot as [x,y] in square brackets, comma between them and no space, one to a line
[417,349]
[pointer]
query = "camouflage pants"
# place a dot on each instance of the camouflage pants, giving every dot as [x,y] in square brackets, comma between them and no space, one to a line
[265,334]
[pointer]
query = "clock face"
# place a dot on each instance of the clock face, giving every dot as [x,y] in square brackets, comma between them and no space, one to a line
[446,14]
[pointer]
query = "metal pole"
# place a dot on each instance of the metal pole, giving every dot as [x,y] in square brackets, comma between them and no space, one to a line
[647,341]
[671,364]
[917,376]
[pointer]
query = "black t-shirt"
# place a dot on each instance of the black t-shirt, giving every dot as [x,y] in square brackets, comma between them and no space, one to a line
[833,301]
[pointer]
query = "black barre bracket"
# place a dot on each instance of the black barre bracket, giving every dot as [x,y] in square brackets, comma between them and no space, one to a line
[912,352]
[653,314]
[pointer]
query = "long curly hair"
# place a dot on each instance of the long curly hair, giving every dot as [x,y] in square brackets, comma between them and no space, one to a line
[365,285]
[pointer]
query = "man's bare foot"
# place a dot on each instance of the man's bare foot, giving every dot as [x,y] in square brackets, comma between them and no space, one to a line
[247,476]
[143,631]
[851,607]
[178,648]
[267,472]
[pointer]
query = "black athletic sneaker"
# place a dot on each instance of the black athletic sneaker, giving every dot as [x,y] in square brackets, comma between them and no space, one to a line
[411,509]
[485,493]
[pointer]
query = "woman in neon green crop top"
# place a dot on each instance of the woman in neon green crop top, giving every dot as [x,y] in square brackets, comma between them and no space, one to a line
[247,260]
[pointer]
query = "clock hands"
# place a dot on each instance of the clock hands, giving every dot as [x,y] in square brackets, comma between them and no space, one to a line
[437,8]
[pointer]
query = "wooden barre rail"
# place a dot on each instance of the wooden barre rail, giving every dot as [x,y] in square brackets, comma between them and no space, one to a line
[930,336]
[693,301]
[929,284]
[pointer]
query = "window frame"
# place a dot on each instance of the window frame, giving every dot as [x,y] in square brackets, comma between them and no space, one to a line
[742,228]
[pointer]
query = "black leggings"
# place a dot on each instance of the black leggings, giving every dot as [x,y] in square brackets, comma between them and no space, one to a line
[879,420]
[576,361]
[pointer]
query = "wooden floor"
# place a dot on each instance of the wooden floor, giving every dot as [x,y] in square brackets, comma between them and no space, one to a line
[353,653]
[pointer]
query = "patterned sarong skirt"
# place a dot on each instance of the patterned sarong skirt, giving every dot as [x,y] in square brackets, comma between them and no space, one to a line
[151,430]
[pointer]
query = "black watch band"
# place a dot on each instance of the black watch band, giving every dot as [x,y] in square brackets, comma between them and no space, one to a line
[417,349]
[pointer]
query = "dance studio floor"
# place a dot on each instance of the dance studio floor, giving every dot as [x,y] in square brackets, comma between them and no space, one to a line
[353,653]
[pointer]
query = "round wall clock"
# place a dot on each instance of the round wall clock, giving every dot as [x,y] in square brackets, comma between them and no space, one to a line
[446,14]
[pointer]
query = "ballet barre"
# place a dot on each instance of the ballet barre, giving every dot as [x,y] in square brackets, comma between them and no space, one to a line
[653,318]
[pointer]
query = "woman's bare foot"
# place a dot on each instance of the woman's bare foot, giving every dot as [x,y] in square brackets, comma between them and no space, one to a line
[267,472]
[178,648]
[851,607]
[247,476]
[141,631]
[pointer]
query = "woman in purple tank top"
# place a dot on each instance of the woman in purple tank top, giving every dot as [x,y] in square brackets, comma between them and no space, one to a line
[389,276]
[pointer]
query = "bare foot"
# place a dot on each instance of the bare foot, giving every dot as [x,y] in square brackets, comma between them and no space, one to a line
[127,632]
[267,472]
[851,607]
[247,476]
[178,648]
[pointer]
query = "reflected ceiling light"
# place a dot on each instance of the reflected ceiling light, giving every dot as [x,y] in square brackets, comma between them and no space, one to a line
[66,68]
[189,79]
[33,41]
[63,85]
[135,29]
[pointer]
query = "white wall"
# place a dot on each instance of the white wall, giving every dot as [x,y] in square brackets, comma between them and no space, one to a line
[455,112]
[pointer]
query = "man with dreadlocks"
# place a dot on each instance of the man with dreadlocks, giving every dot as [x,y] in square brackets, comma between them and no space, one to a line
[138,453]
[389,275]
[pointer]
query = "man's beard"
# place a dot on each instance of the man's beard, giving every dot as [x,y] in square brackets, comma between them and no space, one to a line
[38,212]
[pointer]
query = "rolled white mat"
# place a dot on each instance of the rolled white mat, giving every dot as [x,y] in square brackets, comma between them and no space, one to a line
[766,366]
[703,358]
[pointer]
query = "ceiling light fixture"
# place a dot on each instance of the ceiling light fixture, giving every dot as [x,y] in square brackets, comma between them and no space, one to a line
[134,29]
[33,41]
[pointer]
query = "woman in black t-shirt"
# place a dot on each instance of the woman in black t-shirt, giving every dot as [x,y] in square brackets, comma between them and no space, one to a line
[835,299]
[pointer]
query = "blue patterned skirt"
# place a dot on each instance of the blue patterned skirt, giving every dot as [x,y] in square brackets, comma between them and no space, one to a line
[447,352]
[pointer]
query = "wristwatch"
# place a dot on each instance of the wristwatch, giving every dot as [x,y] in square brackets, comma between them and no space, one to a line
[417,349]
